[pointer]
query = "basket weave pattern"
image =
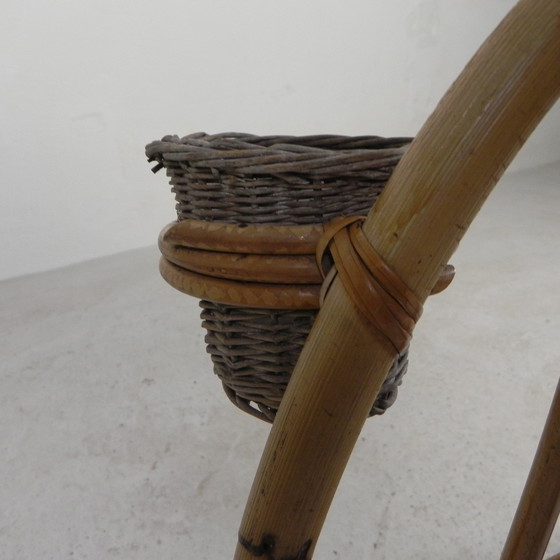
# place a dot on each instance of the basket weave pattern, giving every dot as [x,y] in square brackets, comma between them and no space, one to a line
[249,180]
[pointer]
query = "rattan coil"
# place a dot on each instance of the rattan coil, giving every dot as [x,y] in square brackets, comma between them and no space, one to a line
[248,180]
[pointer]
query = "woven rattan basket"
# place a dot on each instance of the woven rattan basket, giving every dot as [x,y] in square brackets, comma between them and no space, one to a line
[249,212]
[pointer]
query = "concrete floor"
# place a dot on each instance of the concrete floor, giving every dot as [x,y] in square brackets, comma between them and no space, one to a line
[118,443]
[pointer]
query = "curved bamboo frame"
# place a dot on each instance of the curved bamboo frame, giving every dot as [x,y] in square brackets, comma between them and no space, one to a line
[539,506]
[430,201]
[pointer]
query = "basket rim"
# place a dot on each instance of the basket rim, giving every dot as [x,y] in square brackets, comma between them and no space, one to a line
[244,153]
[240,140]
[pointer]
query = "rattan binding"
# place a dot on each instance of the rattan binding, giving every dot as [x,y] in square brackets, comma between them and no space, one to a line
[247,180]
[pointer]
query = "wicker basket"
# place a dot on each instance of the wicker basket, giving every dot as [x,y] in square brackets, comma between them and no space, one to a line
[257,322]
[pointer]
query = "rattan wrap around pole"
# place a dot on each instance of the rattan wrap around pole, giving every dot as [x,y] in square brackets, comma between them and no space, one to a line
[430,201]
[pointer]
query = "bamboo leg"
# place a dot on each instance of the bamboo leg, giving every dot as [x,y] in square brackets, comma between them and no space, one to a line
[435,192]
[539,506]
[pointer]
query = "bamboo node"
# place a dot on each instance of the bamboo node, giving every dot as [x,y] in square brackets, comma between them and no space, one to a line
[268,546]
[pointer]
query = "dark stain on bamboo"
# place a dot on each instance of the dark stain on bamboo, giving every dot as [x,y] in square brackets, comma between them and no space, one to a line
[268,545]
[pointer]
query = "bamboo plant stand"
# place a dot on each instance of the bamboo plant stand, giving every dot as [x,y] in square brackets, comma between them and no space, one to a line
[413,229]
[415,226]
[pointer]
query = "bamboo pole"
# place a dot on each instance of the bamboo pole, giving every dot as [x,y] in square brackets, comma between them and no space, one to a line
[434,194]
[540,502]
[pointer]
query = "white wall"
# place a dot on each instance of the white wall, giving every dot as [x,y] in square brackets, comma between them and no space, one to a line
[85,84]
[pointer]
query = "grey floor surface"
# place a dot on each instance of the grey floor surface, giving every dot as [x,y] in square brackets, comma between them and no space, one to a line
[117,442]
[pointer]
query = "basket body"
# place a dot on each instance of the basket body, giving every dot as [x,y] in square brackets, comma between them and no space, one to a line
[264,182]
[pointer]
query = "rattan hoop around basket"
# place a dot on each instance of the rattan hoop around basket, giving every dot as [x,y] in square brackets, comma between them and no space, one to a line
[265,183]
